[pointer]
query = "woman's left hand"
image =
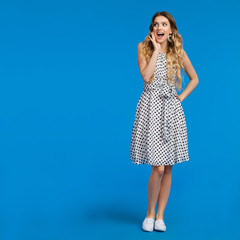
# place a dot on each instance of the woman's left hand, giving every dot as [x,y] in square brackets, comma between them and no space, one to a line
[178,97]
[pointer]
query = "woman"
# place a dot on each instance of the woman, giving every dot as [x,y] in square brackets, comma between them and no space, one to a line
[159,133]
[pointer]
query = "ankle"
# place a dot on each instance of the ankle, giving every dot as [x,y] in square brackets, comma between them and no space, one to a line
[150,214]
[159,216]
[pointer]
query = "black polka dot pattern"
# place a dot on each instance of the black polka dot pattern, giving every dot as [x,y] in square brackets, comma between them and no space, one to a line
[159,133]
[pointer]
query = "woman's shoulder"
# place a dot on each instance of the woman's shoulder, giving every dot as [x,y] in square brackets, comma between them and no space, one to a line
[139,47]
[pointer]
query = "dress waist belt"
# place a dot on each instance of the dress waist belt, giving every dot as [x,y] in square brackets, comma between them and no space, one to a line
[166,92]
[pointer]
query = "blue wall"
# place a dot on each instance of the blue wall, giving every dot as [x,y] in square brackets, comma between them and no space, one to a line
[69,89]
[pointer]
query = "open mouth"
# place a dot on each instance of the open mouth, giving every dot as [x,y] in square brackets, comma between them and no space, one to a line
[160,35]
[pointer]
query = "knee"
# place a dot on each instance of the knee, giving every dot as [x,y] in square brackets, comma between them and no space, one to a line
[159,170]
[168,169]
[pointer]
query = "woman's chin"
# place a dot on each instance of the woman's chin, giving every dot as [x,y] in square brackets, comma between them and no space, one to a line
[160,40]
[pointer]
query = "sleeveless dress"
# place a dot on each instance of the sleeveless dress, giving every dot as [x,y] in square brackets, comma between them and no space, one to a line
[159,133]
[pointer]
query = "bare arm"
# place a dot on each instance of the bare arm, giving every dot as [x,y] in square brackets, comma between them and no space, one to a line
[146,70]
[192,76]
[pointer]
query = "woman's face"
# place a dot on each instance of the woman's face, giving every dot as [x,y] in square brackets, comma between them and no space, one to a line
[161,25]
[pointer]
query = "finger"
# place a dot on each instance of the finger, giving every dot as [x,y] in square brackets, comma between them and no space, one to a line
[153,36]
[153,40]
[150,38]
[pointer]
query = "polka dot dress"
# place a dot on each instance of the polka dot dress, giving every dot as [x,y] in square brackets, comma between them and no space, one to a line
[159,133]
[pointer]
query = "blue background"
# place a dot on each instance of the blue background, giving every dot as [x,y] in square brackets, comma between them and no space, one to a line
[70,84]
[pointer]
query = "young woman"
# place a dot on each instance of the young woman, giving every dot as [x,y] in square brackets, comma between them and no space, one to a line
[159,133]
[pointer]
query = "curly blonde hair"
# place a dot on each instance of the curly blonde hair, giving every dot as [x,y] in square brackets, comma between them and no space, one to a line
[174,53]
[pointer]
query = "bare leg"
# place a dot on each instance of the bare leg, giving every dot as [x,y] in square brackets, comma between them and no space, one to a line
[153,189]
[164,191]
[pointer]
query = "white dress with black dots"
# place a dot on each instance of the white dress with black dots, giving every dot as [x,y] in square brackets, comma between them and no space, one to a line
[159,133]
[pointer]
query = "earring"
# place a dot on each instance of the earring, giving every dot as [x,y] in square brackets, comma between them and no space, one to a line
[170,40]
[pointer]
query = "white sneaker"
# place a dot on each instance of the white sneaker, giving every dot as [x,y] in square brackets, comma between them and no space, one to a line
[148,224]
[160,225]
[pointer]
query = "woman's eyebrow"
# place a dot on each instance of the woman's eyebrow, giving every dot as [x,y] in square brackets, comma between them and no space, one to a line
[162,22]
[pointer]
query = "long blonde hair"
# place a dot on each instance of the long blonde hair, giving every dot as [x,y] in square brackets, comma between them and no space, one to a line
[174,50]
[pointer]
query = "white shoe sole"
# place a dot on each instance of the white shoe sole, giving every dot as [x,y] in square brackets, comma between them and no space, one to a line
[160,230]
[147,230]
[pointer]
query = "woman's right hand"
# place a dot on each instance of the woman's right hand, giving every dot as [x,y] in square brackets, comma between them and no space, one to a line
[156,45]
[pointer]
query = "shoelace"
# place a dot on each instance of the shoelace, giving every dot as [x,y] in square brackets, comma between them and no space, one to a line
[149,220]
[161,221]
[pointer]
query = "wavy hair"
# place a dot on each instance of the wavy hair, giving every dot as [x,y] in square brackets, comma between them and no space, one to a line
[174,53]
